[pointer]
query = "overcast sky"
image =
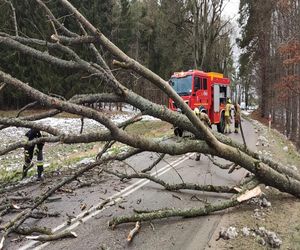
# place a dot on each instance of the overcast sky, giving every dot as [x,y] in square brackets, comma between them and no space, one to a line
[231,9]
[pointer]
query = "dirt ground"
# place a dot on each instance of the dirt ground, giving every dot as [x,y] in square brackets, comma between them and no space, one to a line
[283,217]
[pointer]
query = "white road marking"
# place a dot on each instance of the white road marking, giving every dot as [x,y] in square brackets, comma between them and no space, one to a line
[114,199]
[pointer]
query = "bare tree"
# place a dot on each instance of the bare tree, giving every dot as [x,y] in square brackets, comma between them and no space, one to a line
[204,140]
[208,27]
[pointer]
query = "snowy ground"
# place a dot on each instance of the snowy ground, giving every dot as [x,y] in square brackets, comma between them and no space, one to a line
[66,125]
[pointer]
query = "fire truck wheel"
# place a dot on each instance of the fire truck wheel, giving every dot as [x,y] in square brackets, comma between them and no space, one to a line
[221,125]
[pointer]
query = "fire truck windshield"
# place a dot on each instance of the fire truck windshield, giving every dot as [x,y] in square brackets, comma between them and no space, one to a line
[182,86]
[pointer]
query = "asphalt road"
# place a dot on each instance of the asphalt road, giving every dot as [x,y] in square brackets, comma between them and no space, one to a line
[174,233]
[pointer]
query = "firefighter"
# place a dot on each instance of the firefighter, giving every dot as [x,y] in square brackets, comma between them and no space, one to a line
[30,151]
[237,117]
[227,116]
[200,113]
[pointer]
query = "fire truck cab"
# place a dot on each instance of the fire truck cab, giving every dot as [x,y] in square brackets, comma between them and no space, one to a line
[207,91]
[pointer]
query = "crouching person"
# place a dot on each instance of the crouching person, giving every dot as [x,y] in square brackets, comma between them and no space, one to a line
[30,151]
[200,113]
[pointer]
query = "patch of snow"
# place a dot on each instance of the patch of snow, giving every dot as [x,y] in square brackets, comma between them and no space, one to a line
[285,148]
[130,109]
[260,201]
[263,140]
[294,168]
[86,161]
[270,237]
[229,233]
[265,202]
[246,231]
[67,126]
[261,241]
[150,118]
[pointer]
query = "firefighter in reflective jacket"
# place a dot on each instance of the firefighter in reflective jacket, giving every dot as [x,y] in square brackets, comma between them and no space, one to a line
[200,113]
[29,151]
[228,116]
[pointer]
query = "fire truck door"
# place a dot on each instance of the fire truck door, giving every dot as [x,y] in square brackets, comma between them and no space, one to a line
[216,98]
[196,94]
[205,91]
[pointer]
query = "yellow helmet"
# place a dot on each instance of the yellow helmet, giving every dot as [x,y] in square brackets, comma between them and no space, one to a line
[229,101]
[196,111]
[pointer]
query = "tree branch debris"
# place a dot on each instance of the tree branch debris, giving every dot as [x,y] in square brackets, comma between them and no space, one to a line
[203,140]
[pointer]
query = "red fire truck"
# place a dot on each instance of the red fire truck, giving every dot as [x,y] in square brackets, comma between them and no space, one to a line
[204,90]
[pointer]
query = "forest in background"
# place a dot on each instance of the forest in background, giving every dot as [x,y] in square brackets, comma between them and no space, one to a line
[270,61]
[165,36]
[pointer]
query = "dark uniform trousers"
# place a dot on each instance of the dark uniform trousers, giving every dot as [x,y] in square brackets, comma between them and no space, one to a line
[29,152]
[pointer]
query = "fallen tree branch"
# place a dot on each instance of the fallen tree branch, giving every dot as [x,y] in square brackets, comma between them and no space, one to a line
[21,217]
[132,97]
[63,138]
[153,164]
[2,86]
[60,26]
[146,73]
[185,213]
[61,235]
[17,122]
[36,117]
[41,214]
[31,230]
[30,105]
[232,168]
[174,187]
[216,163]
[134,231]
[14,17]
[269,176]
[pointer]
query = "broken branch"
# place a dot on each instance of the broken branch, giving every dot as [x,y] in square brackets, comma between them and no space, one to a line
[153,164]
[134,231]
[174,187]
[185,213]
[62,235]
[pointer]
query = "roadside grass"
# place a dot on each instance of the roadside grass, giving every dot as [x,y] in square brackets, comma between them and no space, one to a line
[60,157]
[282,217]
[150,128]
[7,176]
[292,156]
